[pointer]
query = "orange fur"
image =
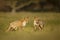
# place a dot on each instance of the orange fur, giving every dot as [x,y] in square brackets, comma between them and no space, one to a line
[38,23]
[18,24]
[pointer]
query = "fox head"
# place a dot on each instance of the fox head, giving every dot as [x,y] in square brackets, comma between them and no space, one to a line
[36,18]
[26,19]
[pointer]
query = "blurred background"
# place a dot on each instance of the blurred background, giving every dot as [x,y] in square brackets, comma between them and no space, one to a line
[29,5]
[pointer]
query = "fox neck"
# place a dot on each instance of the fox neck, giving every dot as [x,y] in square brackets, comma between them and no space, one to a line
[24,23]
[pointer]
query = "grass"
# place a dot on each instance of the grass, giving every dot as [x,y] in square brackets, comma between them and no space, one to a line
[51,30]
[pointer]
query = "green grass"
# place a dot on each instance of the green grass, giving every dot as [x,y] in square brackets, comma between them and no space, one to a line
[51,29]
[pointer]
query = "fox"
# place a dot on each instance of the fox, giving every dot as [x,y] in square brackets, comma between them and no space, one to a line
[18,24]
[38,23]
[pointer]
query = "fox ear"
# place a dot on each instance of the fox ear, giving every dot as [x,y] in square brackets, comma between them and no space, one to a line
[36,17]
[27,17]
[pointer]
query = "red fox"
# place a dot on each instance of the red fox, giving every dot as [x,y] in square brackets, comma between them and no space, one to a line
[18,24]
[38,24]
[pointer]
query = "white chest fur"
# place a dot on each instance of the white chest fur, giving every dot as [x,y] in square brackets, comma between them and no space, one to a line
[35,22]
[24,23]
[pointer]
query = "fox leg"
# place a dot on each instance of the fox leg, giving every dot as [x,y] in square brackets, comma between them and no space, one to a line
[8,29]
[41,27]
[35,28]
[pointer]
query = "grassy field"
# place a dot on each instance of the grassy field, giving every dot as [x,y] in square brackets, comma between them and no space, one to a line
[51,29]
